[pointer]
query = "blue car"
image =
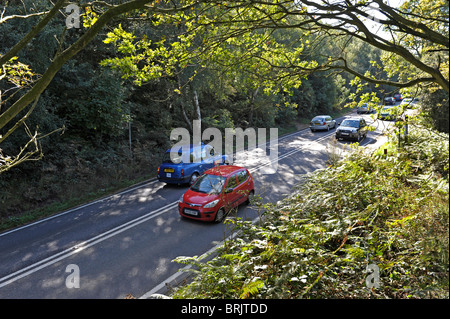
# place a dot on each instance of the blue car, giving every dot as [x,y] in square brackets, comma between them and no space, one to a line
[182,168]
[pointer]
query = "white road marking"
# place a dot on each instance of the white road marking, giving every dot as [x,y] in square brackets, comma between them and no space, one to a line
[6,280]
[182,271]
[151,181]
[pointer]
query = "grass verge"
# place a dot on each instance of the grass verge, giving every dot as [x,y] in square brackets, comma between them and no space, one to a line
[56,207]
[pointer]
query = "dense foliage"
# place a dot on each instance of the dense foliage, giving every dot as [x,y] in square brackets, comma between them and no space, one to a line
[387,210]
[91,108]
[103,115]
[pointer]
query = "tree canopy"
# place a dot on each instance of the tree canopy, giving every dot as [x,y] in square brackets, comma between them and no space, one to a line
[414,37]
[266,45]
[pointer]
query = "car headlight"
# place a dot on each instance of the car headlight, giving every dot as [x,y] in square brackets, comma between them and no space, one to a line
[181,199]
[211,204]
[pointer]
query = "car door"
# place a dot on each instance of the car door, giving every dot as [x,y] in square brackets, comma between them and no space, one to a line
[243,187]
[362,127]
[231,196]
[331,122]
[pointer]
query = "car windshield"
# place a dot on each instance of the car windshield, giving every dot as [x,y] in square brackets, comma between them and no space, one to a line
[209,184]
[350,123]
[172,157]
[190,156]
[318,119]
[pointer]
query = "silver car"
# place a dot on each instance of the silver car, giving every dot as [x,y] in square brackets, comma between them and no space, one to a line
[322,122]
[364,108]
[390,113]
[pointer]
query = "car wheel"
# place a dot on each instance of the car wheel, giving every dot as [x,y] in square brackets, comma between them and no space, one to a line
[219,215]
[250,197]
[194,177]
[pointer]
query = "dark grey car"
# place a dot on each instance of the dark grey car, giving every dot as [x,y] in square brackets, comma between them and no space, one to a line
[354,128]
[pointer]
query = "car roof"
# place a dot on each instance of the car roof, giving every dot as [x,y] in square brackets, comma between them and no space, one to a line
[224,170]
[354,118]
[188,146]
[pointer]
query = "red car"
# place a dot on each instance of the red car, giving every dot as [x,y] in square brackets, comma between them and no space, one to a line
[216,192]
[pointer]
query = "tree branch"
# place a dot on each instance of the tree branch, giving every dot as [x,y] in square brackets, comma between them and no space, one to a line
[76,47]
[345,17]
[33,32]
[14,16]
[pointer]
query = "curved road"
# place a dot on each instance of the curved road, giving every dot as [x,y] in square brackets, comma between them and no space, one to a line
[125,243]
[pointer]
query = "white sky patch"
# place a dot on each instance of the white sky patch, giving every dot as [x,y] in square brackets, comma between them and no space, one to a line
[374,24]
[372,9]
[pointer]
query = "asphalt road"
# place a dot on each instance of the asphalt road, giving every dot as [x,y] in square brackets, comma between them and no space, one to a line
[125,243]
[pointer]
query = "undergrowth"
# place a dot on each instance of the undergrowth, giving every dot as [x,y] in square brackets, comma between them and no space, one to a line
[386,210]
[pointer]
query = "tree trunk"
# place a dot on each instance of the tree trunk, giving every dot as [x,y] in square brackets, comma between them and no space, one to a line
[66,55]
[197,106]
[186,118]
[252,106]
[183,109]
[30,35]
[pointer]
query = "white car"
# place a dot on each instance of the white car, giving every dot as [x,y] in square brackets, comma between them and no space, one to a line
[322,122]
[391,113]
[409,102]
[406,101]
